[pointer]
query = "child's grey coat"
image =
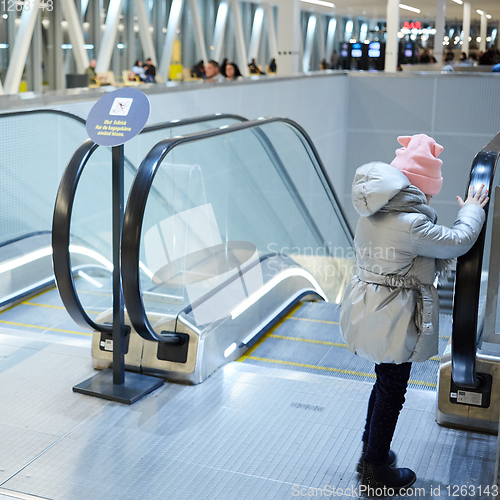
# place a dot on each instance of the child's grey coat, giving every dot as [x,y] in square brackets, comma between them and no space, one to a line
[390,311]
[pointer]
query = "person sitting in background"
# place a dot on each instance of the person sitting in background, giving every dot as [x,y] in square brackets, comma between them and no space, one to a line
[233,73]
[222,67]
[254,69]
[272,66]
[488,57]
[150,71]
[139,71]
[425,57]
[324,65]
[212,72]
[198,70]
[91,71]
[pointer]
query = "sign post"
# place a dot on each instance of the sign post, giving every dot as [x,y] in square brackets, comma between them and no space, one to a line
[115,119]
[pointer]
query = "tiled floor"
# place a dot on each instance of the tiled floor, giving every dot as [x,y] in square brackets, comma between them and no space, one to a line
[247,432]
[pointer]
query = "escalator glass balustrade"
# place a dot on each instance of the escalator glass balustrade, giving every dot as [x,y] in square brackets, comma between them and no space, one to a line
[224,232]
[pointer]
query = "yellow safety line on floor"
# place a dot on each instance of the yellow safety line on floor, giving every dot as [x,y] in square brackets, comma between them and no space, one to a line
[44,328]
[269,333]
[323,342]
[34,297]
[55,307]
[317,321]
[330,369]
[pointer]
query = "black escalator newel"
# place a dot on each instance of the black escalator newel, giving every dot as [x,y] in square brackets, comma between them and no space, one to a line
[106,340]
[172,352]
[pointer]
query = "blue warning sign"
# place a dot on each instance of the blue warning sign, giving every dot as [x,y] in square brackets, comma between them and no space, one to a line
[118,116]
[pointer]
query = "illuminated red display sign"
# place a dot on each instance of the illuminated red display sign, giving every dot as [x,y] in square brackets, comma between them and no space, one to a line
[412,26]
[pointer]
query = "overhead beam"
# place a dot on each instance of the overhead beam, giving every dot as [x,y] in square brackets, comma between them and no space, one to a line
[21,48]
[330,38]
[109,36]
[241,50]
[174,20]
[258,21]
[271,31]
[220,29]
[75,34]
[145,36]
[311,30]
[199,37]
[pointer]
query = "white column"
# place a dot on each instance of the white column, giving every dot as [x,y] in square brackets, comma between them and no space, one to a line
[392,42]
[271,31]
[21,48]
[220,29]
[289,37]
[311,31]
[330,37]
[75,34]
[241,50]
[174,20]
[466,27]
[484,24]
[258,21]
[198,30]
[320,30]
[148,48]
[109,37]
[439,36]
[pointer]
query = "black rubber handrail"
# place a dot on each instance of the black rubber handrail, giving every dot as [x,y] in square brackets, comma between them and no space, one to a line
[468,280]
[136,205]
[62,220]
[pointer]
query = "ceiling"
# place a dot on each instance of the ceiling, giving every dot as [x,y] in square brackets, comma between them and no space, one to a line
[378,8]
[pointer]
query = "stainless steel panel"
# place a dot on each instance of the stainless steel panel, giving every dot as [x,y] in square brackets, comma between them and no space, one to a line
[469,416]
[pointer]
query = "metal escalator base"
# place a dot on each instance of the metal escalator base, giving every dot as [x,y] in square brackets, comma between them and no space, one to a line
[308,339]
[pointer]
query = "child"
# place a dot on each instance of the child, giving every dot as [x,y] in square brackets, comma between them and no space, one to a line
[390,312]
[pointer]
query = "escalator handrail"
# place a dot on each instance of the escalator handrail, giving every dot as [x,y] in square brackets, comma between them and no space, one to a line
[61,237]
[61,222]
[468,280]
[149,128]
[136,205]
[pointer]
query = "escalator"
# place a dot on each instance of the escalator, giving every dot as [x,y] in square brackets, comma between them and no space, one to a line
[469,394]
[245,255]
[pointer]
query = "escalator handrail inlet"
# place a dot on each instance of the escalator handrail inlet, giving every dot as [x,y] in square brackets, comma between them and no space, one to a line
[468,279]
[61,222]
[136,206]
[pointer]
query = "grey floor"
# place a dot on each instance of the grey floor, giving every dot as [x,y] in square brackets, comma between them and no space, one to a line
[248,432]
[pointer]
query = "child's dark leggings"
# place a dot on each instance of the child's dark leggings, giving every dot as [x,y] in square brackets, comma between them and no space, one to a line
[386,401]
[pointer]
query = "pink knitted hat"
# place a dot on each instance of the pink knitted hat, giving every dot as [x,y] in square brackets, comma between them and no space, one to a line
[418,160]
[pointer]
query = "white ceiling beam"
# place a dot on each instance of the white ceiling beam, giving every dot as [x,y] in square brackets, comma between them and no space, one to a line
[109,36]
[19,53]
[145,35]
[174,20]
[75,34]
